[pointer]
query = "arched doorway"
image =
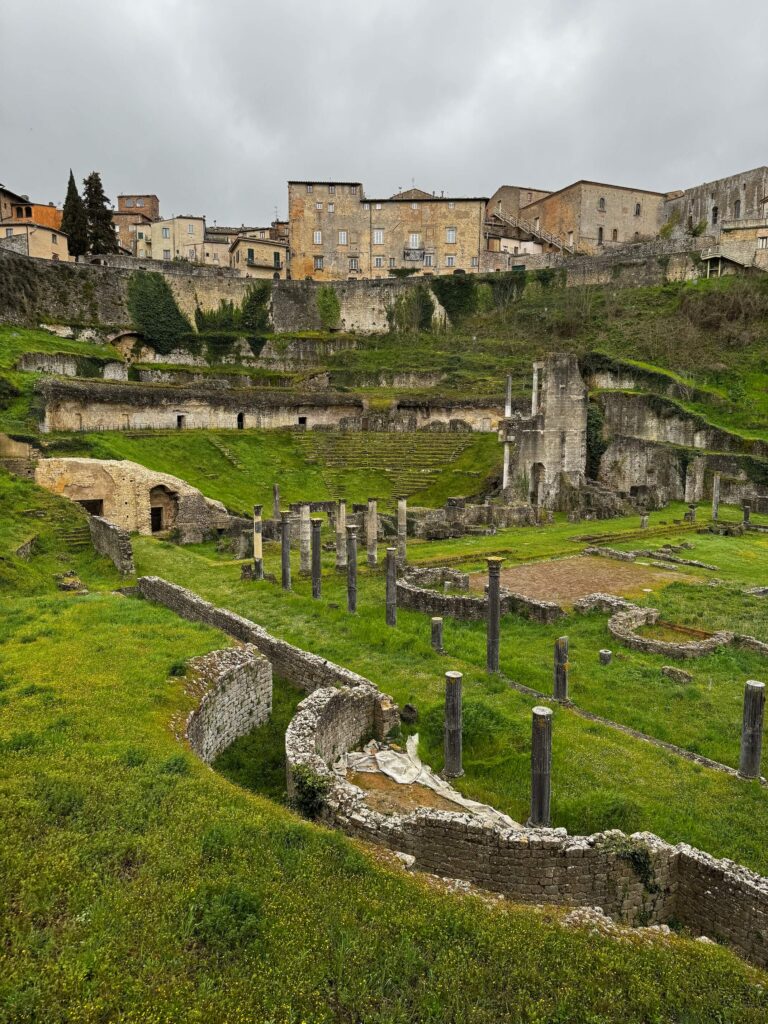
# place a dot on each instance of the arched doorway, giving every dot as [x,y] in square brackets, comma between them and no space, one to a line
[536,492]
[163,507]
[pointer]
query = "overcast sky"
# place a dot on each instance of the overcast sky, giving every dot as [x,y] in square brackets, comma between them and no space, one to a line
[214,104]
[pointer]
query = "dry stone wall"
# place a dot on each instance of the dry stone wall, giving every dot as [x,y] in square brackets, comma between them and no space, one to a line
[112,542]
[637,879]
[414,593]
[237,698]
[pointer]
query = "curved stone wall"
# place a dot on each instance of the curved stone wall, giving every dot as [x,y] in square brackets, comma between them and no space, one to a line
[414,594]
[636,879]
[237,696]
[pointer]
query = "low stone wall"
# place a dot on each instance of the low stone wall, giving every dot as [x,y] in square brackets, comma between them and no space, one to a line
[237,698]
[413,593]
[301,668]
[640,879]
[112,542]
[623,625]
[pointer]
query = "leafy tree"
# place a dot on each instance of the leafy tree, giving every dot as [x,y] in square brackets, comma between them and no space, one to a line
[101,232]
[154,311]
[74,223]
[254,311]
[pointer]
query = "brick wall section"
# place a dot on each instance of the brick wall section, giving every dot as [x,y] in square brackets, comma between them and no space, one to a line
[238,698]
[112,542]
[708,896]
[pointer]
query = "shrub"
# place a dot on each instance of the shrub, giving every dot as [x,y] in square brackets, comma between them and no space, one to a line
[154,311]
[311,790]
[412,311]
[457,295]
[485,300]
[328,306]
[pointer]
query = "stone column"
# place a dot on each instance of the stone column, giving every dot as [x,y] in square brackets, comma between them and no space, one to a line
[535,395]
[643,522]
[276,503]
[391,586]
[341,536]
[285,550]
[317,569]
[752,730]
[351,568]
[305,541]
[494,614]
[437,635]
[402,531]
[258,555]
[541,767]
[561,668]
[452,768]
[715,496]
[605,656]
[507,414]
[746,508]
[692,513]
[372,532]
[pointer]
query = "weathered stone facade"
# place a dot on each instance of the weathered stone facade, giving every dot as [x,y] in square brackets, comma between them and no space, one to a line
[134,498]
[237,698]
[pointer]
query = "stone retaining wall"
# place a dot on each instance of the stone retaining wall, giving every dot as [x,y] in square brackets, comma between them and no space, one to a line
[623,625]
[639,879]
[419,598]
[112,542]
[237,698]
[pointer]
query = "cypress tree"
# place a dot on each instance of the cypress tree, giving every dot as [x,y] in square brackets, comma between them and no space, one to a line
[74,223]
[101,232]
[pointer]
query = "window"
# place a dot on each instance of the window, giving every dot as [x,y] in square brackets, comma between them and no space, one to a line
[166,232]
[128,203]
[378,262]
[318,262]
[392,261]
[190,229]
[378,236]
[715,212]
[54,239]
[353,190]
[354,263]
[139,202]
[215,257]
[342,238]
[250,256]
[139,234]
[309,189]
[614,235]
[318,206]
[450,261]
[450,236]
[240,420]
[331,207]
[451,205]
[317,237]
[536,222]
[166,254]
[276,260]
[475,261]
[378,206]
[331,190]
[638,209]
[366,206]
[414,206]
[737,209]
[428,259]
[353,238]
[599,236]
[762,243]
[601,204]
[19,211]
[414,240]
[27,211]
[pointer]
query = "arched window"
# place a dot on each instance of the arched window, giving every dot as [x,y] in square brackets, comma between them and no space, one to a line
[737,209]
[240,420]
[599,236]
[615,235]
[601,203]
[637,236]
[638,209]
[715,212]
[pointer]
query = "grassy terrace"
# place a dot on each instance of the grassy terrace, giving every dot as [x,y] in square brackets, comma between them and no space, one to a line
[602,778]
[139,886]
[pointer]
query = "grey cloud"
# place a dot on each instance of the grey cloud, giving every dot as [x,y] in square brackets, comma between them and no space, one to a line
[214,105]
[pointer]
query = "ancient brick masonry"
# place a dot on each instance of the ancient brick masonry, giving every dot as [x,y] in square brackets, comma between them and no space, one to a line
[237,699]
[112,542]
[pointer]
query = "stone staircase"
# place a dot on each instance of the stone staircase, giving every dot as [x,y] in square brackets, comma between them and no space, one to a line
[409,461]
[529,227]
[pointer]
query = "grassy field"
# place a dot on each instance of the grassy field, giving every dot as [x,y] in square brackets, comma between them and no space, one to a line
[138,886]
[602,778]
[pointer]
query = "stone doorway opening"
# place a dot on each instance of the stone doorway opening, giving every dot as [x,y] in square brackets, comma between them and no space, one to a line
[93,506]
[163,507]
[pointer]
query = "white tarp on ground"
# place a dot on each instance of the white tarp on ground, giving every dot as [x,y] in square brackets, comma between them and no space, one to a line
[406,767]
